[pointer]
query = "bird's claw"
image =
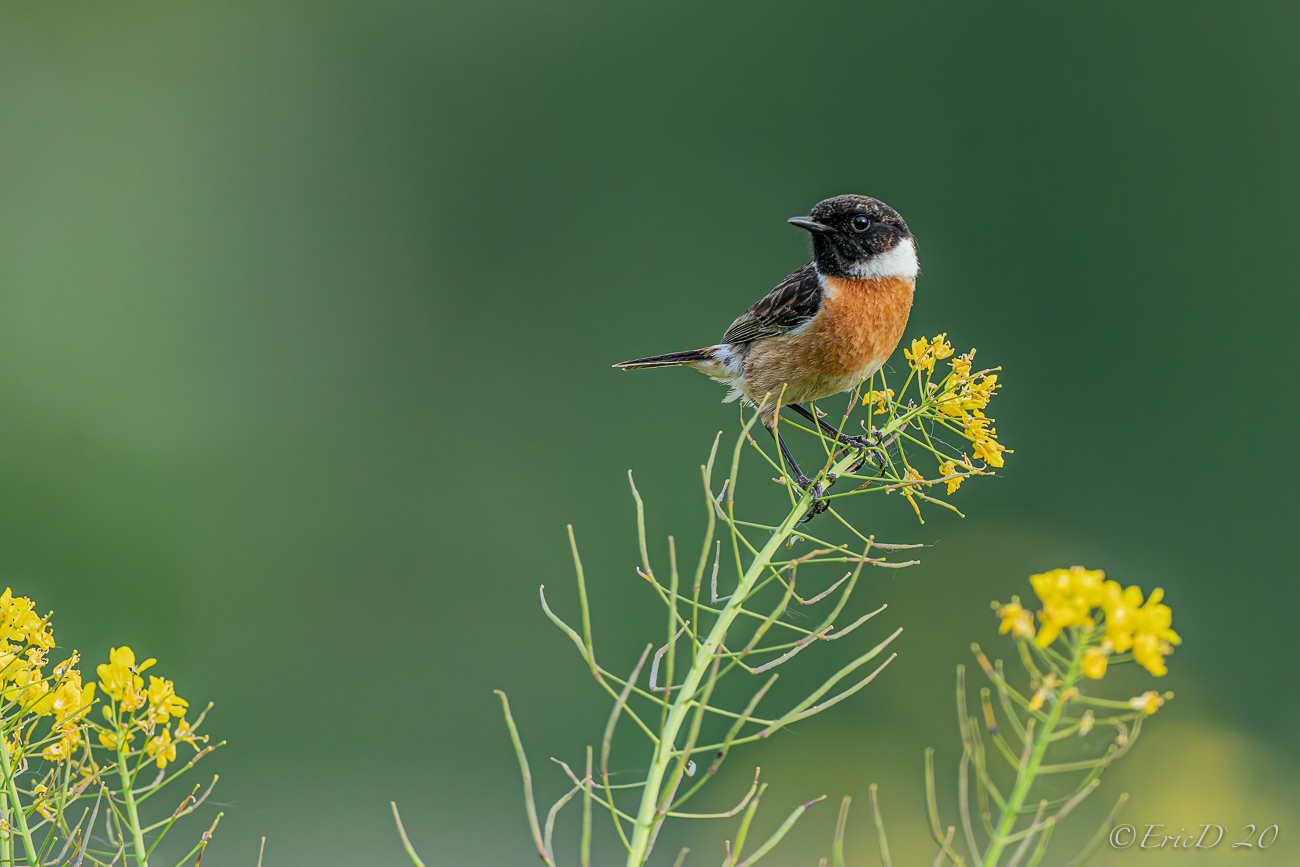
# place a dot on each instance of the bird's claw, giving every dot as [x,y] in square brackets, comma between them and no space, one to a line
[819,503]
[868,445]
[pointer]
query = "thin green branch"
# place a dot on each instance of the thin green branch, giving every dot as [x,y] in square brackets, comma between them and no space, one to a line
[780,833]
[529,805]
[881,841]
[406,841]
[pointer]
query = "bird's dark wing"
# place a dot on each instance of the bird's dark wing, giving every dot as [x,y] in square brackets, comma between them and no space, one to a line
[792,303]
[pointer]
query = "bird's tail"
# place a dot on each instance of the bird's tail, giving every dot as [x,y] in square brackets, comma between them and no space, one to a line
[690,356]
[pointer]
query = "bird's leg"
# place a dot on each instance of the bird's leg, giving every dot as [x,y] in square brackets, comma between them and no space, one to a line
[827,429]
[819,505]
[862,442]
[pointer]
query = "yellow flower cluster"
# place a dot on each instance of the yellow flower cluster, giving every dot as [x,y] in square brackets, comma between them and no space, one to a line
[161,748]
[1073,597]
[965,396]
[67,702]
[960,398]
[1144,626]
[121,681]
[19,624]
[925,353]
[24,639]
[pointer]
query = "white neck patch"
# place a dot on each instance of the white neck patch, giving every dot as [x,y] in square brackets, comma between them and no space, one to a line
[898,262]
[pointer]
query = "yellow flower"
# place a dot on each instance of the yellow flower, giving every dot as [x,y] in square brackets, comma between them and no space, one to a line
[119,676]
[163,700]
[986,447]
[1094,663]
[121,680]
[976,394]
[1016,620]
[63,668]
[949,403]
[948,471]
[32,694]
[112,739]
[161,748]
[1044,693]
[62,748]
[961,366]
[960,470]
[20,624]
[1144,627]
[917,354]
[990,450]
[881,399]
[85,701]
[1086,723]
[924,354]
[1068,595]
[1149,652]
[186,734]
[1148,702]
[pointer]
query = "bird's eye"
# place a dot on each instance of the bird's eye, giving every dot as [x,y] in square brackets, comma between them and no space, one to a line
[861,223]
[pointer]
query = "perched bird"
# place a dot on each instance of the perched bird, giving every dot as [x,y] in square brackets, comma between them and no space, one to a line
[825,328]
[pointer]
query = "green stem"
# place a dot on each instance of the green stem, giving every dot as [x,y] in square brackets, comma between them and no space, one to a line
[132,815]
[6,843]
[1025,778]
[649,814]
[11,789]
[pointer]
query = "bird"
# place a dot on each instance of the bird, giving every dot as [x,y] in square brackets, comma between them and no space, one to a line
[822,330]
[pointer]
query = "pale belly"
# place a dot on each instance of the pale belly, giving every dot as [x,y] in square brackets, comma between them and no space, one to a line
[790,368]
[825,385]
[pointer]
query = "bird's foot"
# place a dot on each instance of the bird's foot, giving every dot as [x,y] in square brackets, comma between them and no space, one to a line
[819,503]
[869,446]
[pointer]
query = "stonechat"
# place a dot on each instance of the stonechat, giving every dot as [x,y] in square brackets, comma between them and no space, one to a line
[822,330]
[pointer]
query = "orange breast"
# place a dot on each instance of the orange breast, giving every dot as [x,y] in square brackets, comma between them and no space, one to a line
[861,322]
[858,326]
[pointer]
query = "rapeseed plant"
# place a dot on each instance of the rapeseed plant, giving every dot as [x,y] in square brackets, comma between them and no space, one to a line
[1084,624]
[747,629]
[51,764]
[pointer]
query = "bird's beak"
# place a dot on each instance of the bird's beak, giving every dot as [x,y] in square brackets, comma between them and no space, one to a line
[810,224]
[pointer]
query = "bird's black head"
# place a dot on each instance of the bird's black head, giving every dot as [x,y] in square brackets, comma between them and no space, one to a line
[858,236]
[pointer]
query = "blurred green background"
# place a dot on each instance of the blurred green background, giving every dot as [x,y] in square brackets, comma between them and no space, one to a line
[306,318]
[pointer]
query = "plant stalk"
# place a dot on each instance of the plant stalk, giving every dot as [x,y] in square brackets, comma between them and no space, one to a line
[6,841]
[11,789]
[1025,779]
[649,815]
[132,814]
